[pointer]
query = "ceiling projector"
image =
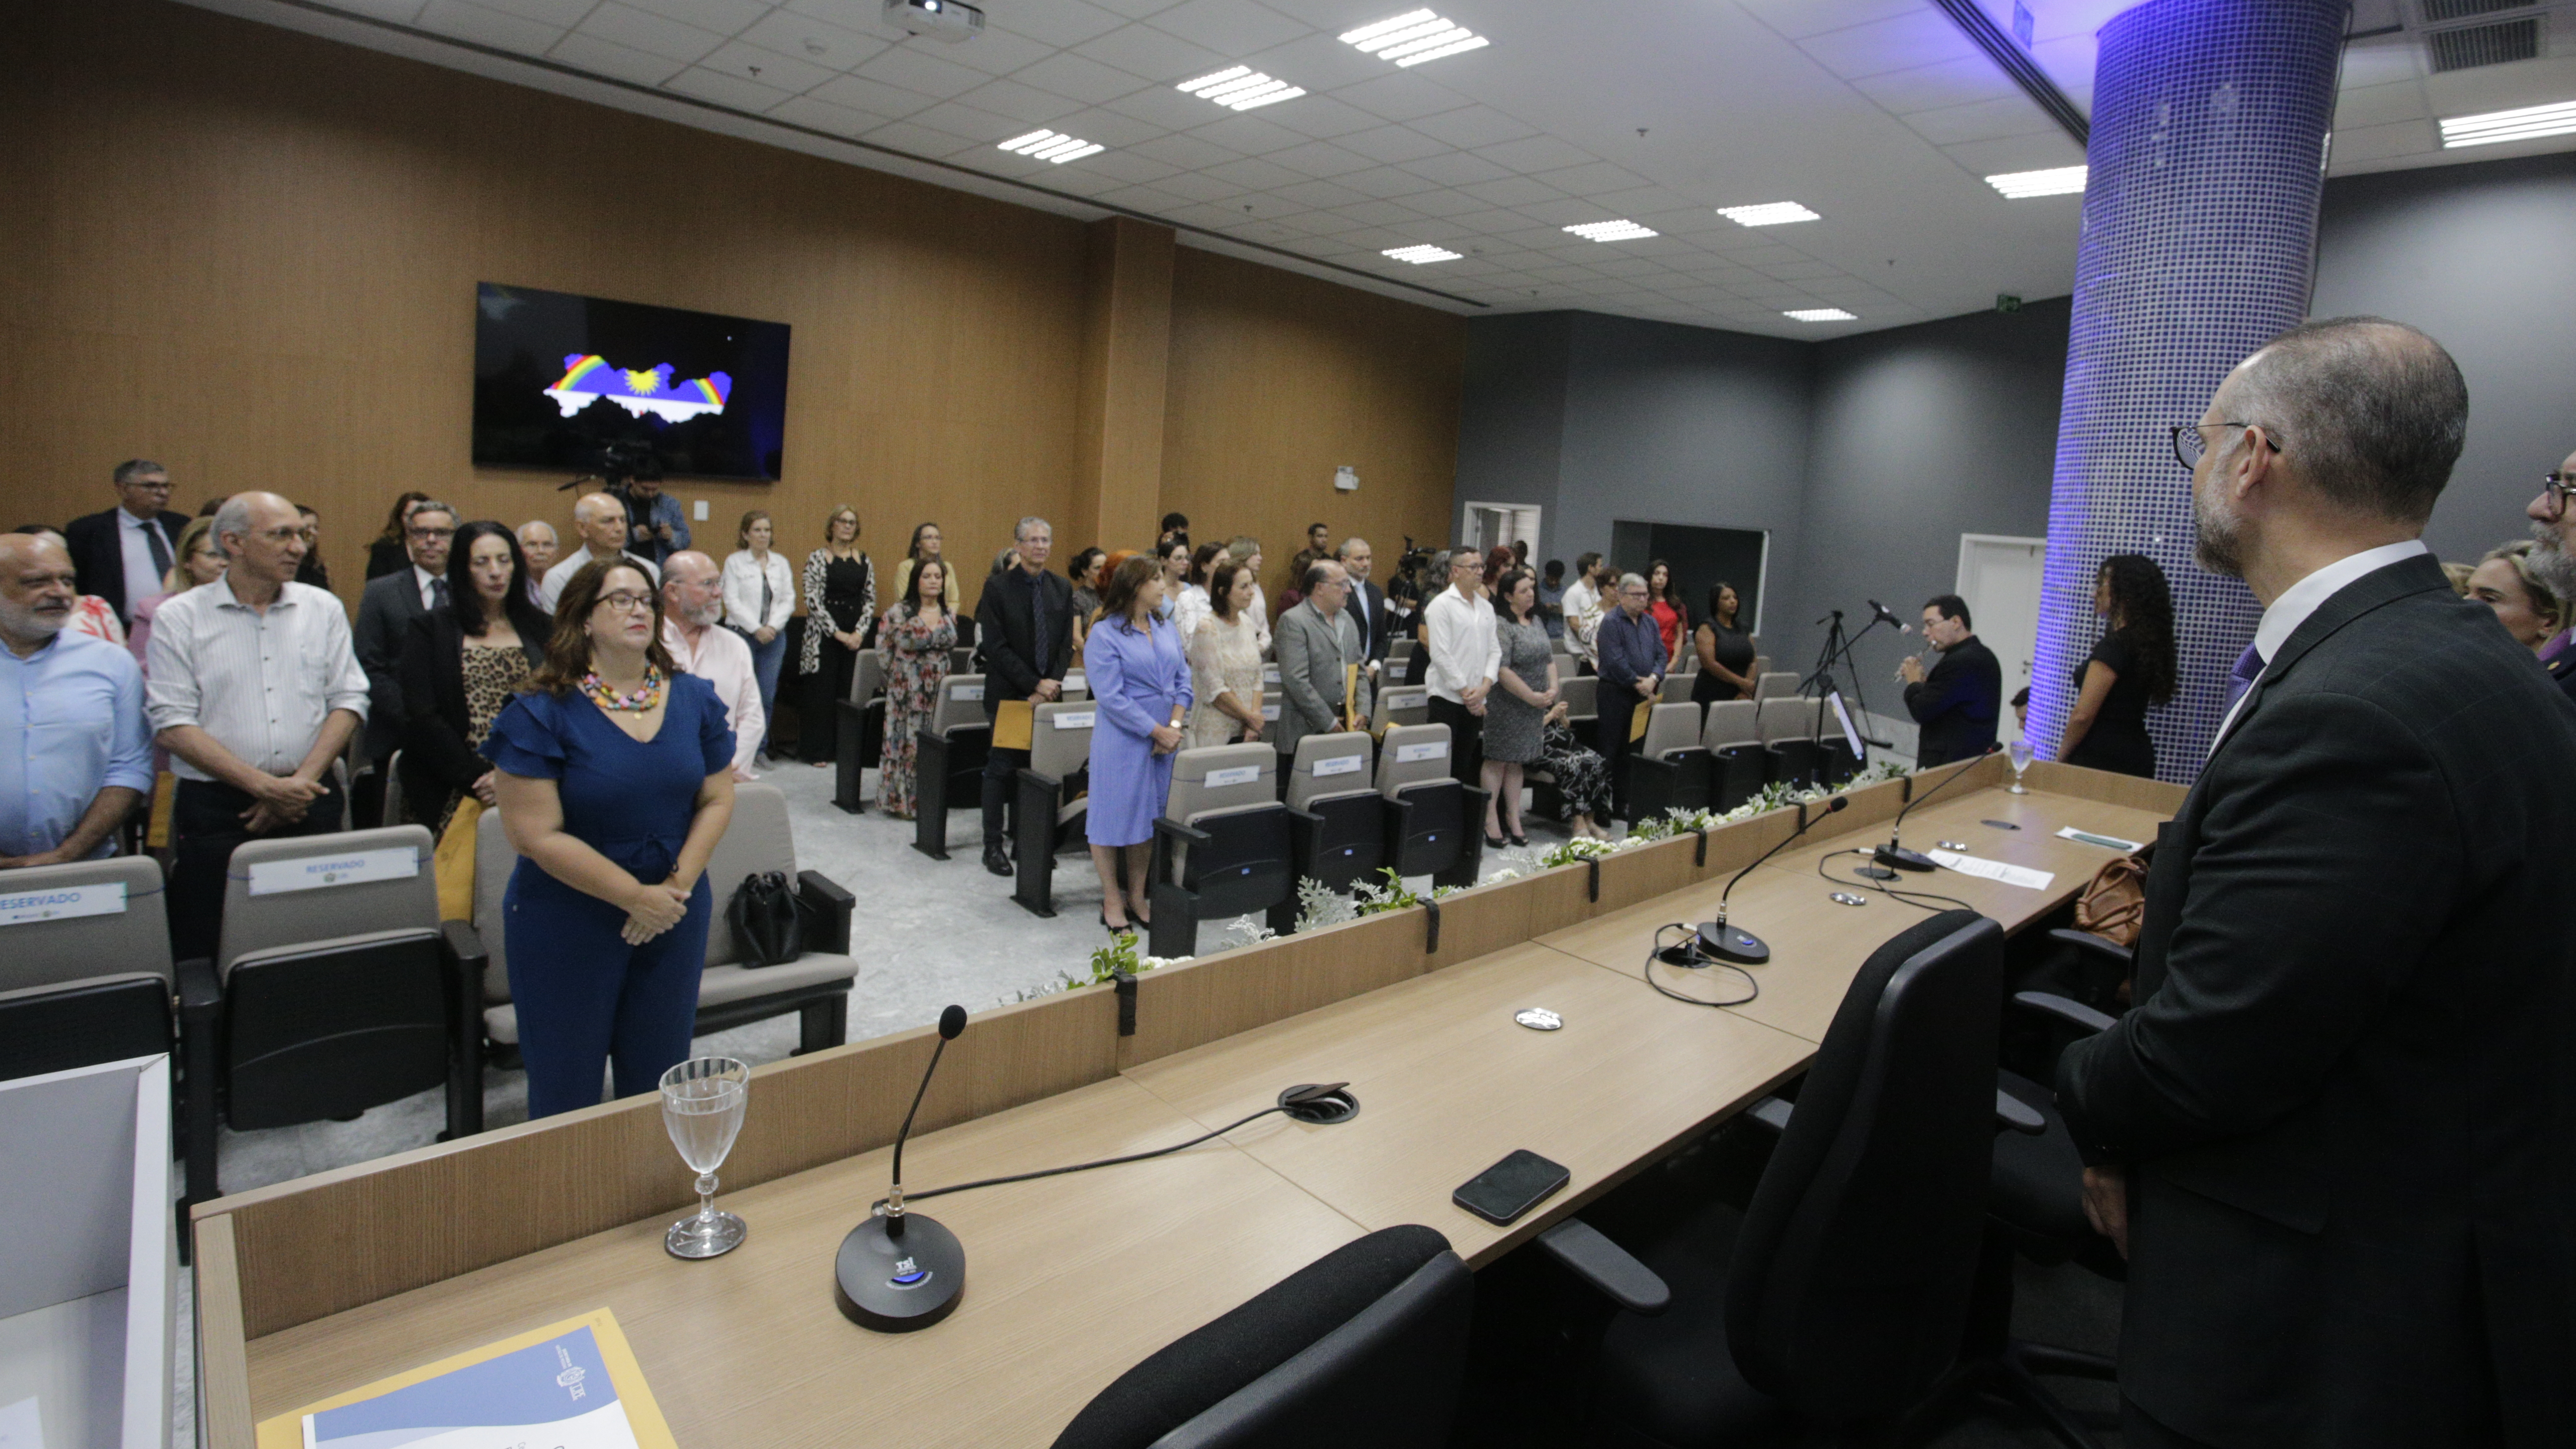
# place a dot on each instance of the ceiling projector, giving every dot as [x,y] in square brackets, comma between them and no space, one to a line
[949,20]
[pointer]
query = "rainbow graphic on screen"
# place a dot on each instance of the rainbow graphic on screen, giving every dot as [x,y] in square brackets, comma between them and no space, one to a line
[589,378]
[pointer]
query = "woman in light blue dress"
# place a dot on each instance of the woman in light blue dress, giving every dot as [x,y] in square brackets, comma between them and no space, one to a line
[1140,679]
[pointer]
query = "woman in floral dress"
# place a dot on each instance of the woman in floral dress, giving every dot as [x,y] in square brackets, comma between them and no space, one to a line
[1582,776]
[913,644]
[1225,662]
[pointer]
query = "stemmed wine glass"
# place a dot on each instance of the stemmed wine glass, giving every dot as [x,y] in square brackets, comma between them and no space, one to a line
[702,1103]
[2020,752]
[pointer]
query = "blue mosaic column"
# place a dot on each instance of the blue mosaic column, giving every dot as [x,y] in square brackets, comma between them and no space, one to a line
[2199,237]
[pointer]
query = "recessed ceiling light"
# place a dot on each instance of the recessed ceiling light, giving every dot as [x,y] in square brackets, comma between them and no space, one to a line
[2056,181]
[1419,255]
[1769,213]
[1241,88]
[1610,231]
[1414,37]
[1052,146]
[1821,314]
[2517,125]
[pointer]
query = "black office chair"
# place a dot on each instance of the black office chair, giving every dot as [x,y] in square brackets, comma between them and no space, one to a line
[1844,1303]
[1363,1348]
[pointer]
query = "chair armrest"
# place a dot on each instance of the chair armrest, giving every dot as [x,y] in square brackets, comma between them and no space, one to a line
[831,906]
[464,942]
[1606,1268]
[2020,1116]
[199,992]
[1165,827]
[468,957]
[2073,1013]
[2089,944]
[1168,833]
[1770,1114]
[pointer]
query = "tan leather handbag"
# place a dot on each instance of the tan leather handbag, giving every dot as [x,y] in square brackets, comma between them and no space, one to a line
[2114,902]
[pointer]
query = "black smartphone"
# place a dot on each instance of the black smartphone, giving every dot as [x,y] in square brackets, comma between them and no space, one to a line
[1511,1187]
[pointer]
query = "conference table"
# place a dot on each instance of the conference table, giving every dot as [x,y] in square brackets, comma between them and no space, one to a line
[1074,1279]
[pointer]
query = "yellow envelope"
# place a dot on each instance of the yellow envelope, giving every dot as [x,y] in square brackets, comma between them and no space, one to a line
[1013,724]
[1637,720]
[1350,696]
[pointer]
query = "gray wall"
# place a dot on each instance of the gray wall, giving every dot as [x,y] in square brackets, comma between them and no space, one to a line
[2480,256]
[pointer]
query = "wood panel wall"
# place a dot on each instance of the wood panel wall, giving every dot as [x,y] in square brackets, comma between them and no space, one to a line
[250,254]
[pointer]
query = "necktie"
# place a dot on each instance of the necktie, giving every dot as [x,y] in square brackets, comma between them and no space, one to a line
[2249,667]
[438,593]
[160,548]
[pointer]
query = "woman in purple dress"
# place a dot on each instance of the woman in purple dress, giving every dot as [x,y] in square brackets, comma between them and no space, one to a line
[1140,679]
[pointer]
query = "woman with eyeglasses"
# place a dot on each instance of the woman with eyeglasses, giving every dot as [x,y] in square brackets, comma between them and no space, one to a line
[614,774]
[2553,559]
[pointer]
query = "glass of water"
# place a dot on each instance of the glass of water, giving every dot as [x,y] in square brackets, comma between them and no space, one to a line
[2020,752]
[702,1103]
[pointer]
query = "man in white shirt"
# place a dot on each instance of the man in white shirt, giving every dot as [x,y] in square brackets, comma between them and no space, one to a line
[1466,652]
[692,608]
[1583,612]
[600,519]
[254,689]
[386,609]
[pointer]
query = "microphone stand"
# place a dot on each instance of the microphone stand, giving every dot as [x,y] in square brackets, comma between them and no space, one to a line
[1892,857]
[1838,652]
[901,1271]
[1733,943]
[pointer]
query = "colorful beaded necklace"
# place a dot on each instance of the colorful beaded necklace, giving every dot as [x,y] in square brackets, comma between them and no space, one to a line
[645,695]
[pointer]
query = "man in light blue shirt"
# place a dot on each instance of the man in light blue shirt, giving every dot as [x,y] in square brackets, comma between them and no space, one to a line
[75,747]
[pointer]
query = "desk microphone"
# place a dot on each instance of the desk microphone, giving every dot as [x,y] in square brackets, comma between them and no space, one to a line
[1727,943]
[898,1272]
[1893,857]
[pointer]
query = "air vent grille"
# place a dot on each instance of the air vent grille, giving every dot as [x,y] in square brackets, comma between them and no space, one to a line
[2477,45]
[2437,11]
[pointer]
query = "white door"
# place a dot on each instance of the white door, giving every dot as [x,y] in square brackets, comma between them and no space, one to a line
[1493,524]
[2000,579]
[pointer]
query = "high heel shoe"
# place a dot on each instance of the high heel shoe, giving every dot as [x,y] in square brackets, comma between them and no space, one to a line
[1493,842]
[1519,841]
[1122,928]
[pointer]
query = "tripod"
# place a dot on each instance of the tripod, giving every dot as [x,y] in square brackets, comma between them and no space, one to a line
[1837,653]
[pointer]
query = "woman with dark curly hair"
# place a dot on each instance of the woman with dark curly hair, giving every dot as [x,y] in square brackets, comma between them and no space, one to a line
[2132,668]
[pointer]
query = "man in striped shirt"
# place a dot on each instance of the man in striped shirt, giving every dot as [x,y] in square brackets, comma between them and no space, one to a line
[254,688]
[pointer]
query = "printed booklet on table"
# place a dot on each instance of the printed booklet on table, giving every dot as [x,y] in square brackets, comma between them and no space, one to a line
[573,1384]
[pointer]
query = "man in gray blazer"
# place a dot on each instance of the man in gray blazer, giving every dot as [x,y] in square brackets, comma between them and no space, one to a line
[1316,642]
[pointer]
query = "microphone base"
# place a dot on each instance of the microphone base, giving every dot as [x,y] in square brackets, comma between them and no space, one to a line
[864,1273]
[1895,858]
[1874,872]
[1730,943]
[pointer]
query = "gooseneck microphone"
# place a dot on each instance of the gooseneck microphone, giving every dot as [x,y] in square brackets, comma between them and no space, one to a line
[900,1271]
[1730,943]
[1893,857]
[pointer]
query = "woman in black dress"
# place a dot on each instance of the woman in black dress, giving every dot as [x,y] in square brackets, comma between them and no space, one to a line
[1726,653]
[840,610]
[2132,668]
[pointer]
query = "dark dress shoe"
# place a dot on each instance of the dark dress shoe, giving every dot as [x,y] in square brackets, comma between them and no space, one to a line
[997,860]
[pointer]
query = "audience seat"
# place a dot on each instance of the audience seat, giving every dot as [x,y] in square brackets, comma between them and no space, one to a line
[1222,846]
[961,659]
[1340,820]
[1400,648]
[77,990]
[1761,666]
[1669,768]
[325,1001]
[1676,689]
[1774,686]
[1434,824]
[948,761]
[1400,704]
[1364,1348]
[1582,695]
[731,993]
[1052,791]
[858,723]
[1788,729]
[1737,761]
[394,809]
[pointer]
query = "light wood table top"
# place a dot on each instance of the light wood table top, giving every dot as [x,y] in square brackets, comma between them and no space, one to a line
[1448,1083]
[1067,1287]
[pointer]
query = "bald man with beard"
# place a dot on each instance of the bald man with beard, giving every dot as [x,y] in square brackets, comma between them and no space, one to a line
[75,749]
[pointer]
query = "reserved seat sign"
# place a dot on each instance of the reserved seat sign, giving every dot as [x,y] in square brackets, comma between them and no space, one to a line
[316,872]
[99,898]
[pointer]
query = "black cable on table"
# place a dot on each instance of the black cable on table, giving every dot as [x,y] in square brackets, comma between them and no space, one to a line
[1911,898]
[914,1197]
[1655,953]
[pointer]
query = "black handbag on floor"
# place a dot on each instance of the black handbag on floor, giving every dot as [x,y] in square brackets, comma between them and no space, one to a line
[767,919]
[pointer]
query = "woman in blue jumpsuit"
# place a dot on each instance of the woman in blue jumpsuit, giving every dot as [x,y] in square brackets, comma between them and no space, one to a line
[615,783]
[1141,681]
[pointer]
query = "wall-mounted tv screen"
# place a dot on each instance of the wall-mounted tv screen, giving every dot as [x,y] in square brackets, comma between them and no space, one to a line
[560,380]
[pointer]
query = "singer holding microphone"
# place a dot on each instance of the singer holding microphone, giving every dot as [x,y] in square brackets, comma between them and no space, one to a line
[1958,701]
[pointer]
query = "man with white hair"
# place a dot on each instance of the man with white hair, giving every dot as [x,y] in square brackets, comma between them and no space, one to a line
[537,542]
[692,608]
[254,688]
[2553,558]
[1631,651]
[1024,640]
[75,752]
[601,521]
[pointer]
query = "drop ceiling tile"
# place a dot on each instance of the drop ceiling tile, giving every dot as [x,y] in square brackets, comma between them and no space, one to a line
[608,58]
[1202,186]
[1598,289]
[1401,96]
[1982,121]
[1899,42]
[2499,87]
[995,52]
[875,97]
[1020,103]
[1642,199]
[766,67]
[1392,143]
[1474,126]
[1380,213]
[1208,216]
[1152,200]
[1485,221]
[1165,107]
[2356,144]
[1600,178]
[1320,117]
[2378,106]
[1253,174]
[400,12]
[1229,27]
[1317,61]
[1769,255]
[825,44]
[1456,168]
[824,116]
[971,122]
[1800,271]
[494,28]
[1080,77]
[725,90]
[918,140]
[1321,194]
[2381,61]
[1562,211]
[1080,178]
[865,16]
[1250,134]
[918,70]
[1533,154]
[1384,182]
[1151,55]
[562,15]
[1187,152]
[725,17]
[1059,23]
[2017,153]
[1127,166]
[1322,159]
[1513,191]
[1109,128]
[1438,202]
[1931,87]
[1138,9]
[1311,223]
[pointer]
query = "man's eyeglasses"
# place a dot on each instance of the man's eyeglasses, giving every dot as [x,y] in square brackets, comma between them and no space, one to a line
[426,534]
[2557,488]
[2190,440]
[626,603]
[151,485]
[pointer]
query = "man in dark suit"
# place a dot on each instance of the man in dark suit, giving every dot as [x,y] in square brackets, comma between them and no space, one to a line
[2553,554]
[121,555]
[2337,1135]
[1632,675]
[1024,640]
[1958,702]
[385,613]
[1368,601]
